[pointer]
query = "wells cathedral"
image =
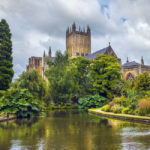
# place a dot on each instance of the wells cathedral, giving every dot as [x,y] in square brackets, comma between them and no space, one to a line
[78,43]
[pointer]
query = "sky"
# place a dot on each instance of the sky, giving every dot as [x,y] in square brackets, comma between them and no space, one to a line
[36,25]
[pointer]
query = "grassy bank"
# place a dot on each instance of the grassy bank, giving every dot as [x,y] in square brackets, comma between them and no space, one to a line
[132,118]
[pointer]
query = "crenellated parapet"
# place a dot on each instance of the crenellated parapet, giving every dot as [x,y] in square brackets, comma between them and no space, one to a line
[78,42]
[73,30]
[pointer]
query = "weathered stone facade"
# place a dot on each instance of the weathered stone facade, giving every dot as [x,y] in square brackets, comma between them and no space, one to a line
[35,63]
[131,69]
[45,59]
[78,43]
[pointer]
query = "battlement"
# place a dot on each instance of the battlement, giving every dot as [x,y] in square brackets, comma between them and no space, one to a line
[72,30]
[78,42]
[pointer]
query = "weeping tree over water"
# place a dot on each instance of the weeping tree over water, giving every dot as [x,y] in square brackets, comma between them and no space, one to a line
[6,71]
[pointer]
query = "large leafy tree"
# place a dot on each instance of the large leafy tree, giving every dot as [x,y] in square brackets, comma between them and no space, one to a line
[105,74]
[81,69]
[142,82]
[33,82]
[61,79]
[6,71]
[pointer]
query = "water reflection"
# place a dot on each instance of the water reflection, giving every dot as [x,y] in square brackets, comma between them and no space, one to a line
[73,130]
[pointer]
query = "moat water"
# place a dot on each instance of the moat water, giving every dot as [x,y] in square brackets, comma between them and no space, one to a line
[73,130]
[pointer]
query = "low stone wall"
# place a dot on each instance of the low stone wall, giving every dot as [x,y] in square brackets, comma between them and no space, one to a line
[131,118]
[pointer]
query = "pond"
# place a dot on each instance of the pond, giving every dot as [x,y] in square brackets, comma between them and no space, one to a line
[73,130]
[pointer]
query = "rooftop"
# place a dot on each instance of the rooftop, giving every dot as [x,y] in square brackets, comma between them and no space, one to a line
[132,63]
[94,55]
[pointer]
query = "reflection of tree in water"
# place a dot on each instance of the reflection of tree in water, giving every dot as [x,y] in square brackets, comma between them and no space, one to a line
[71,130]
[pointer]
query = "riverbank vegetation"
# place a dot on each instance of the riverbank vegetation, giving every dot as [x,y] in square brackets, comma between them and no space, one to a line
[136,99]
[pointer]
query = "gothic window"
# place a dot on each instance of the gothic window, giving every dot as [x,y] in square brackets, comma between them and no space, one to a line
[82,54]
[130,77]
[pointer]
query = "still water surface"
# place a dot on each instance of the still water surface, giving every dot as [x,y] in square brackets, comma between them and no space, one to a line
[73,130]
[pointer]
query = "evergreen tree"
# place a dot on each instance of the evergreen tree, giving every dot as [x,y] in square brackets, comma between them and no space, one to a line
[6,71]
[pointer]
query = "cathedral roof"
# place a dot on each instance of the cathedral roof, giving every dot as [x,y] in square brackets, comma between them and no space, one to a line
[132,63]
[102,51]
[94,55]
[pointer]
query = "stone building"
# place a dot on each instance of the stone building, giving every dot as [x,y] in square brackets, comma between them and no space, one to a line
[105,51]
[131,69]
[78,43]
[35,63]
[45,59]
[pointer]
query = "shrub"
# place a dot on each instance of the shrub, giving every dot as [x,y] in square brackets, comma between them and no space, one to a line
[143,108]
[142,82]
[106,108]
[19,102]
[1,93]
[126,110]
[111,103]
[117,108]
[92,101]
[121,101]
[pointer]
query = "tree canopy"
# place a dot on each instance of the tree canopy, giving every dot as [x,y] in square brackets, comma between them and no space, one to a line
[105,73]
[142,82]
[6,71]
[33,82]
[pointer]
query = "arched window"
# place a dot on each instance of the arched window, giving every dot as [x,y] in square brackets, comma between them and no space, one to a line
[130,77]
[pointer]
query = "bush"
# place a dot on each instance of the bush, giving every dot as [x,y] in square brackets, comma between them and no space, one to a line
[92,101]
[121,101]
[106,108]
[19,102]
[117,108]
[1,93]
[126,110]
[143,108]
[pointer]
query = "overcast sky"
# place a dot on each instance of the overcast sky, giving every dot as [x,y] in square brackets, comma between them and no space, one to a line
[38,24]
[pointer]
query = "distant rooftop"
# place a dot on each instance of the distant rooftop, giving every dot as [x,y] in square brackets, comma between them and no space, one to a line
[132,63]
[94,55]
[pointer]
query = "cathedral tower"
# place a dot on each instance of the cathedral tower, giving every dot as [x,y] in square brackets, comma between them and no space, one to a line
[78,43]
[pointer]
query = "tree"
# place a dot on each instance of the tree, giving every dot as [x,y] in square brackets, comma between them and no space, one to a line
[33,82]
[6,71]
[142,82]
[105,73]
[61,79]
[81,69]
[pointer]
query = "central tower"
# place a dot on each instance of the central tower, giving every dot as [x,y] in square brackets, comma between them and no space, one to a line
[78,43]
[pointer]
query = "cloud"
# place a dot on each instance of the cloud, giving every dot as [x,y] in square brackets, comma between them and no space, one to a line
[36,25]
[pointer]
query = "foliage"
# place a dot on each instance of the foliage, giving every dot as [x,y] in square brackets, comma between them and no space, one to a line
[143,108]
[92,101]
[126,110]
[6,71]
[123,101]
[106,108]
[61,79]
[81,68]
[117,108]
[142,82]
[105,73]
[19,102]
[33,82]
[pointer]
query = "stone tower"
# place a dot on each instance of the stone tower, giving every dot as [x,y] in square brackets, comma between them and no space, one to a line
[35,63]
[45,59]
[78,43]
